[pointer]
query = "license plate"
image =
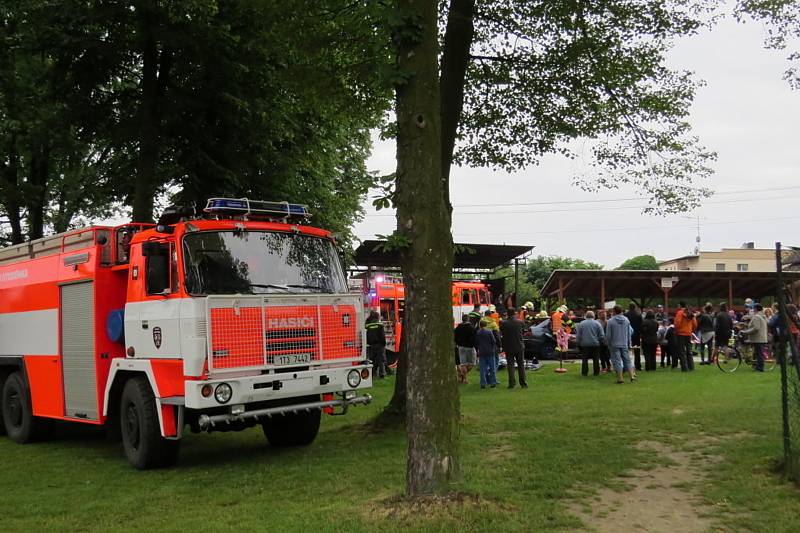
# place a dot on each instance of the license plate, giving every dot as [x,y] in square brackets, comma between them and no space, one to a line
[293,359]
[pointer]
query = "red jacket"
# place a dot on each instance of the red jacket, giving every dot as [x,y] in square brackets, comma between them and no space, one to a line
[685,324]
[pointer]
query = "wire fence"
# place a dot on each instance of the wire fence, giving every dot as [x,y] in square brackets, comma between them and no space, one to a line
[786,350]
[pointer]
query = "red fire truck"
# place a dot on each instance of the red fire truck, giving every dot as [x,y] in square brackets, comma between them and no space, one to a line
[385,293]
[236,317]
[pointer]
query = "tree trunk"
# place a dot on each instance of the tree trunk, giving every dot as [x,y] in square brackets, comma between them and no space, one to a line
[145,186]
[10,189]
[455,59]
[395,412]
[423,223]
[37,197]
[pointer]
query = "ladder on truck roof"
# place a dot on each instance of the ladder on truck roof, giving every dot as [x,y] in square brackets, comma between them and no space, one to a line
[52,245]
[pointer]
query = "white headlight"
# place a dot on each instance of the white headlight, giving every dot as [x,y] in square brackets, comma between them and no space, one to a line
[354,378]
[223,393]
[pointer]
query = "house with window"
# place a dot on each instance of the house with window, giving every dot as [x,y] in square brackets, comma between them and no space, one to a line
[748,258]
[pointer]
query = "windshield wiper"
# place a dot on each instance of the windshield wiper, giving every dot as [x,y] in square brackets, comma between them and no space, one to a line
[269,286]
[318,287]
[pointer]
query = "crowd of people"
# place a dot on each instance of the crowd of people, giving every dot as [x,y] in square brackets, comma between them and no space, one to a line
[607,338]
[677,338]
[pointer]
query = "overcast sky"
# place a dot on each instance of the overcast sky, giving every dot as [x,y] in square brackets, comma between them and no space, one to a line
[746,113]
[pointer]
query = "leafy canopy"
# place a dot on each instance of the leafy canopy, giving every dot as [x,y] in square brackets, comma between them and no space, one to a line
[265,99]
[640,262]
[782,19]
[540,267]
[545,74]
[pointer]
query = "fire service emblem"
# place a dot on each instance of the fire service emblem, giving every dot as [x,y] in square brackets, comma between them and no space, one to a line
[157,337]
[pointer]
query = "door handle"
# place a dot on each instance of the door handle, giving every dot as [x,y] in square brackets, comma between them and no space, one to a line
[145,325]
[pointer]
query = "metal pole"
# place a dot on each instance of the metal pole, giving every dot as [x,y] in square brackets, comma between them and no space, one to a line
[782,338]
[516,282]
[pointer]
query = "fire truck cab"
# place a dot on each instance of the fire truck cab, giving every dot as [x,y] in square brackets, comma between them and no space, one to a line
[236,317]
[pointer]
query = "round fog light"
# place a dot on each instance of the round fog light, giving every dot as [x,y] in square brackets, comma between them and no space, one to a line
[353,378]
[364,373]
[223,393]
[206,391]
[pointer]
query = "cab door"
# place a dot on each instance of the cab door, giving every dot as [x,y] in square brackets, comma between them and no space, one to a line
[152,314]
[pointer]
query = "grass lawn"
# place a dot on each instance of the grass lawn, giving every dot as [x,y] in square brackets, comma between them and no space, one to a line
[526,454]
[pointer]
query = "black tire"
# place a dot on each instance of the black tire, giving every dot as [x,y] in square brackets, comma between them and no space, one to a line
[17,413]
[728,359]
[294,429]
[144,446]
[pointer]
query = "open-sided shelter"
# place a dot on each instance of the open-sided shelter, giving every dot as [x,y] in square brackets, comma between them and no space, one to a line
[664,286]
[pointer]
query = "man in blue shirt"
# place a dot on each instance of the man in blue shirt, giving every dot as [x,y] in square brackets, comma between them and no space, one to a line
[486,346]
[618,338]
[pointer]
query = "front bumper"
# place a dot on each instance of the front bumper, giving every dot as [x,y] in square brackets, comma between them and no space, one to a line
[264,387]
[206,422]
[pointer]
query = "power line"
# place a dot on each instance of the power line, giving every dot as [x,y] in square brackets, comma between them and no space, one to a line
[665,226]
[609,200]
[641,228]
[587,209]
[724,193]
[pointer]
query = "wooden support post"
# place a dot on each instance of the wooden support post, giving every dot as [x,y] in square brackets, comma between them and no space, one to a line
[516,283]
[730,294]
[560,290]
[602,293]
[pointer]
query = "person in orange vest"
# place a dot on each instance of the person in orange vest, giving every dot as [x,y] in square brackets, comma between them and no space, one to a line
[685,324]
[494,315]
[526,311]
[557,320]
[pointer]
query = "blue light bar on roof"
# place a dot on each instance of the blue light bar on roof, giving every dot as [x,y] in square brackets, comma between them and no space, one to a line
[245,207]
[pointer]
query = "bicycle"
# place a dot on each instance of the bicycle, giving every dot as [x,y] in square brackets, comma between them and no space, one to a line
[731,357]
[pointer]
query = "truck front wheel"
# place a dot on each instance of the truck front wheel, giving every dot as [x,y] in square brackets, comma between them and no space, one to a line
[144,446]
[17,414]
[294,429]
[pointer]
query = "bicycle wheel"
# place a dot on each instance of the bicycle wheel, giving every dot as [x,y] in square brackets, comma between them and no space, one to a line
[728,359]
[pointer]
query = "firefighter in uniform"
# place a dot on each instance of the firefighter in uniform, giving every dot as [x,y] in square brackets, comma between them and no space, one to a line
[376,344]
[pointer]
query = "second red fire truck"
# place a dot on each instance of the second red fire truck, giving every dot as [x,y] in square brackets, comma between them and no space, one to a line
[237,317]
[385,293]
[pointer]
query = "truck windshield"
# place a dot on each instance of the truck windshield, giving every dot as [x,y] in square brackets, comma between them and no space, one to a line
[260,262]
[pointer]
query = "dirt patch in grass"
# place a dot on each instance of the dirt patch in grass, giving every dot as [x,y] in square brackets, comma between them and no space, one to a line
[656,498]
[453,509]
[500,453]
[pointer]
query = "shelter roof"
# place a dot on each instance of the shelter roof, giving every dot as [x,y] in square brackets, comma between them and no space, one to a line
[648,283]
[468,255]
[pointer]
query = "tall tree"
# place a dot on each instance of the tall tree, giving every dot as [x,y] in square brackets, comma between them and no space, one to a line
[41,132]
[131,100]
[525,78]
[423,233]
